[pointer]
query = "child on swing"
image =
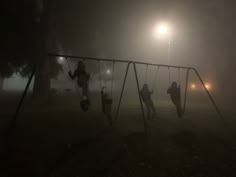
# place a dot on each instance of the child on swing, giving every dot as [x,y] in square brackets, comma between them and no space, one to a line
[174,92]
[145,94]
[82,79]
[106,105]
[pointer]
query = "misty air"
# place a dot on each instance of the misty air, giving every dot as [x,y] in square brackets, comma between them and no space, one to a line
[118,88]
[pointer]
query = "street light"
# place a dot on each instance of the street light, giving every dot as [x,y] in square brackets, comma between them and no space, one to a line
[108,71]
[208,86]
[163,30]
[193,86]
[60,60]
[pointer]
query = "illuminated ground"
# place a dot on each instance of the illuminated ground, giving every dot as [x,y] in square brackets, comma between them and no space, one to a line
[60,140]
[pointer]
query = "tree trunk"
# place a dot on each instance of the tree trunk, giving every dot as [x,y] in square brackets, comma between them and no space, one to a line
[41,89]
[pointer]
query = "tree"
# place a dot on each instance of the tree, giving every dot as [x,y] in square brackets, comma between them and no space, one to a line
[6,70]
[27,30]
[45,10]
[11,35]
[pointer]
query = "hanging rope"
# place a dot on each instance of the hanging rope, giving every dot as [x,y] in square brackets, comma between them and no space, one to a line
[185,91]
[146,72]
[179,76]
[112,77]
[155,77]
[100,74]
[169,75]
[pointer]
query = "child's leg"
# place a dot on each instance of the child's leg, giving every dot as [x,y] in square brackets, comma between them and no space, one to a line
[152,106]
[85,89]
[148,110]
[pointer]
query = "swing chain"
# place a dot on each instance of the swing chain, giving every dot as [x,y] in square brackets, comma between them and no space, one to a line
[100,75]
[169,75]
[155,77]
[179,76]
[145,81]
[112,78]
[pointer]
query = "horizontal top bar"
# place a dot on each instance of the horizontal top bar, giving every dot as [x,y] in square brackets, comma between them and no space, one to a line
[120,61]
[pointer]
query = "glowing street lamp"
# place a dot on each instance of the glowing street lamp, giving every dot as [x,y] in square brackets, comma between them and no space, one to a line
[108,71]
[60,60]
[208,86]
[163,30]
[193,86]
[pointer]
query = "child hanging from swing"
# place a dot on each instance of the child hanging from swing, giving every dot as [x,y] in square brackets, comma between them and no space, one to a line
[174,92]
[106,105]
[145,94]
[82,80]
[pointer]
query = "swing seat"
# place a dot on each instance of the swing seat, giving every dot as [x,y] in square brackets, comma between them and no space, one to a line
[84,104]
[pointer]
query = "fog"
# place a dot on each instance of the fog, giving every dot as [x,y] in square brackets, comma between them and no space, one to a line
[87,88]
[202,34]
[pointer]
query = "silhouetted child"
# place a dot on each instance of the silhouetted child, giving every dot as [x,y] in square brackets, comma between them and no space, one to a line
[146,97]
[174,92]
[82,80]
[106,105]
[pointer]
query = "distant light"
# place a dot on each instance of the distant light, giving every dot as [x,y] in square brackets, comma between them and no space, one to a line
[193,86]
[208,86]
[163,29]
[60,60]
[108,72]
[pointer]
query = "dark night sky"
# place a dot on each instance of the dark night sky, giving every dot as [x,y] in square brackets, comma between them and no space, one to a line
[203,30]
[207,25]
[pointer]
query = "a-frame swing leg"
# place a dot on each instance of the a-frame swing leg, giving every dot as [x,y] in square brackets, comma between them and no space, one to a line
[140,100]
[24,94]
[122,91]
[185,92]
[208,93]
[11,132]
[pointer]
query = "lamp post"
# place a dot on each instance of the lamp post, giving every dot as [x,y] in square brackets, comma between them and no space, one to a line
[163,30]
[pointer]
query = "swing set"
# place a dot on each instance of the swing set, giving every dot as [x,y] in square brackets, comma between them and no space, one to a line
[180,108]
[128,65]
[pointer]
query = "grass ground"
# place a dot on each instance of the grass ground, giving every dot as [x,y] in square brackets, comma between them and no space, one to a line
[60,140]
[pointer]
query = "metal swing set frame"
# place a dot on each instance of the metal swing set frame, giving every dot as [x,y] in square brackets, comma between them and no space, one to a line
[129,63]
